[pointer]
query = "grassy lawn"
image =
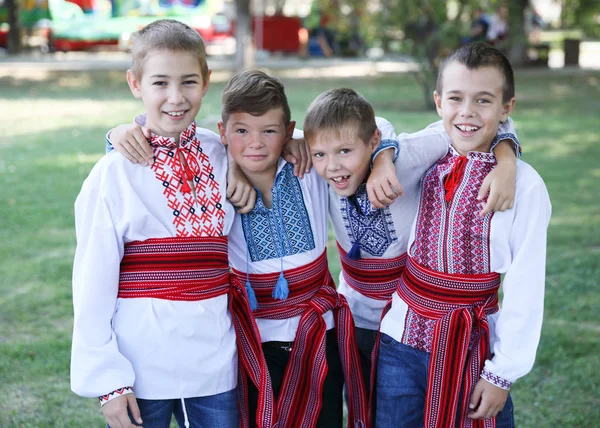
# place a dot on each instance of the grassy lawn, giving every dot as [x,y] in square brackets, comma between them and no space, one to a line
[52,132]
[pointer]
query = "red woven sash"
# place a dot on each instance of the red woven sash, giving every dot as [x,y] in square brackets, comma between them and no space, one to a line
[194,268]
[461,342]
[373,278]
[197,268]
[311,294]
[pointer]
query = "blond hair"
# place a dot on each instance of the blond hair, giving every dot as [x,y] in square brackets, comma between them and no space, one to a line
[336,111]
[167,34]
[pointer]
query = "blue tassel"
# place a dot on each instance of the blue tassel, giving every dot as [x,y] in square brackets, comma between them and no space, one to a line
[251,296]
[281,289]
[354,253]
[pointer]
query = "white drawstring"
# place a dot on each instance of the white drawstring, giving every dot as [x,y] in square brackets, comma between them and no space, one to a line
[186,421]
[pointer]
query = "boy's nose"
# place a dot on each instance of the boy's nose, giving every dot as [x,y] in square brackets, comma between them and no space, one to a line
[255,139]
[467,110]
[333,164]
[175,96]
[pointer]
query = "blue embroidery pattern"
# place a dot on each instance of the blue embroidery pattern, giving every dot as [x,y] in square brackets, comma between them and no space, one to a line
[372,228]
[285,229]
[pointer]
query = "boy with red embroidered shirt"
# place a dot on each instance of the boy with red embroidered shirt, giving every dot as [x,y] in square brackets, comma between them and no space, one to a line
[155,315]
[372,238]
[448,354]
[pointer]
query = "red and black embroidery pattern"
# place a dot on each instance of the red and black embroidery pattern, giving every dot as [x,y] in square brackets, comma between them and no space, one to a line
[199,216]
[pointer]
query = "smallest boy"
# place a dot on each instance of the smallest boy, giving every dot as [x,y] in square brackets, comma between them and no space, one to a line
[155,316]
[448,353]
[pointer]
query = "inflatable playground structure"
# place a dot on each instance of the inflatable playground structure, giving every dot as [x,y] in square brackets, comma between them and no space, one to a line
[85,24]
[69,25]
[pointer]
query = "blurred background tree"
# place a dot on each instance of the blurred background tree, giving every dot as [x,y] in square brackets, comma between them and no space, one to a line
[14,30]
[427,30]
[582,15]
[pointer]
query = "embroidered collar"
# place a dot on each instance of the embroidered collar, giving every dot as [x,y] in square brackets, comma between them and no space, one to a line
[283,167]
[185,139]
[478,156]
[360,200]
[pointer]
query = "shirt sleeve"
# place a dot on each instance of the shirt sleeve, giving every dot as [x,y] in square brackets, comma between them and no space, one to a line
[97,366]
[388,138]
[518,327]
[506,131]
[420,150]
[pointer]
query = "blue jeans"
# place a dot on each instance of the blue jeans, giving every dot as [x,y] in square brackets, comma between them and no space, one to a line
[213,411]
[402,387]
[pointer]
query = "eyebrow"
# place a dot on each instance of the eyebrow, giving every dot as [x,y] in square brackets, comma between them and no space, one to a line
[166,76]
[245,124]
[489,94]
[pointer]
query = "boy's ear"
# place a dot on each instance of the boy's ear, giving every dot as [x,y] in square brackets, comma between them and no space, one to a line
[221,127]
[437,99]
[375,140]
[289,131]
[205,84]
[507,108]
[135,85]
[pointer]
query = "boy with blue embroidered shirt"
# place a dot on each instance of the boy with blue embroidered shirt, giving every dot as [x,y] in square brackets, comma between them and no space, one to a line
[278,250]
[156,317]
[451,350]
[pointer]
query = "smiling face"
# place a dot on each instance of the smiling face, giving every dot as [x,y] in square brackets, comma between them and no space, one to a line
[256,142]
[471,106]
[343,158]
[171,88]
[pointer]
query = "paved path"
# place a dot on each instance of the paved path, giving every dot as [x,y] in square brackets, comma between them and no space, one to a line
[285,66]
[118,61]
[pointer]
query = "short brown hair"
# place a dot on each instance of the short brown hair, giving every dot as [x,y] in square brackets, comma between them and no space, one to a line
[338,108]
[167,34]
[254,92]
[476,55]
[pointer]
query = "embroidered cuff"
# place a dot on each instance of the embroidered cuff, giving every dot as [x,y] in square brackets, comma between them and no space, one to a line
[507,136]
[495,380]
[386,145]
[109,146]
[116,393]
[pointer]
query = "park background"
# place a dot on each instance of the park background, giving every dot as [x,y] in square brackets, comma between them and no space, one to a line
[56,108]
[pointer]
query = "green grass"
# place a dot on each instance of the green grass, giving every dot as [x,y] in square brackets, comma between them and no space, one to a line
[52,132]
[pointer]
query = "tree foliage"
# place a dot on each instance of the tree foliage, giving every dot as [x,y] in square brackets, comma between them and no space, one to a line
[582,14]
[426,30]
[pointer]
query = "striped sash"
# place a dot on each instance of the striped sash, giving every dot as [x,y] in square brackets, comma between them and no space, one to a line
[461,338]
[197,268]
[374,278]
[311,294]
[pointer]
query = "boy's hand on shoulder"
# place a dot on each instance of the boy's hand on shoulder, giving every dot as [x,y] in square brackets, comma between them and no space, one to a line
[240,192]
[500,183]
[383,186]
[116,415]
[487,400]
[297,152]
[131,140]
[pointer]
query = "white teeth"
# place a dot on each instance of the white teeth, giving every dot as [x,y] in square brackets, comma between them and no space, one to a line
[338,179]
[175,113]
[467,128]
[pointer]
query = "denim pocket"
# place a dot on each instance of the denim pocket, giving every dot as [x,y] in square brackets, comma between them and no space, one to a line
[388,340]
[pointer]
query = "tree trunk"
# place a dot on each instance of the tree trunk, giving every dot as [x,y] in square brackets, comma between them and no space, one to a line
[517,39]
[244,50]
[14,32]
